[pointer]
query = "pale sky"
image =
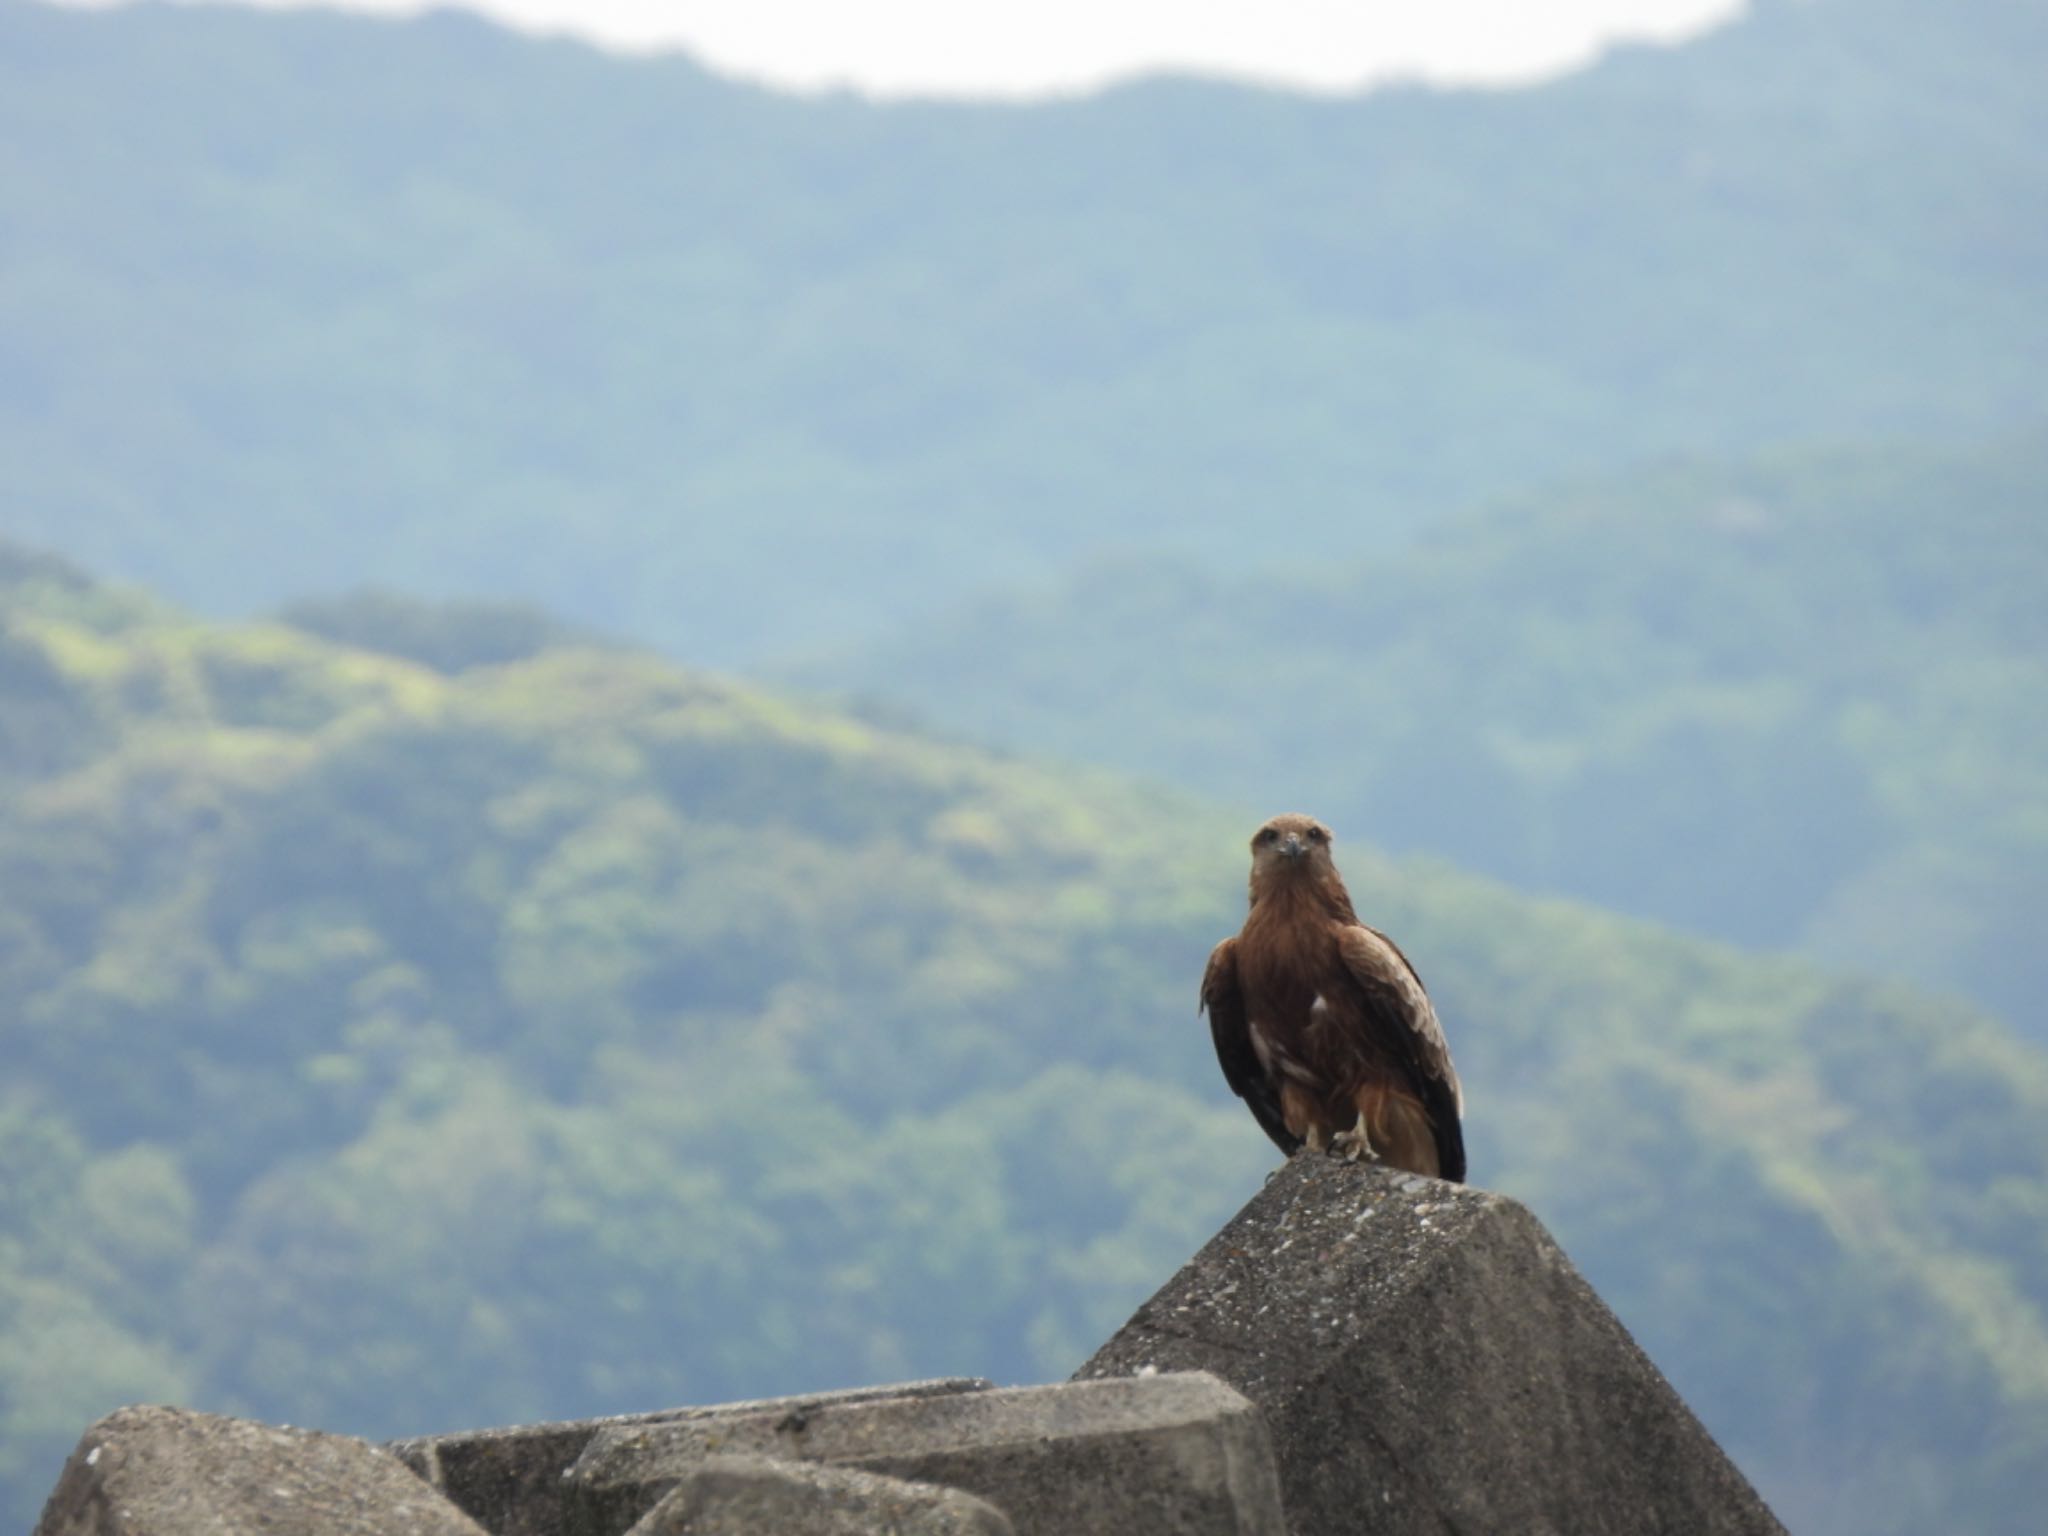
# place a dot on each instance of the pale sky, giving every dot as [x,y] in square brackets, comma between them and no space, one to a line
[1007,48]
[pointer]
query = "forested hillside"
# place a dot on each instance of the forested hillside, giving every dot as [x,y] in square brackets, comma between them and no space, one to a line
[292,303]
[541,1029]
[1799,700]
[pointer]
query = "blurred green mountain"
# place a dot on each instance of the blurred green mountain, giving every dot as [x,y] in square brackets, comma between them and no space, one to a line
[395,1047]
[297,303]
[1793,701]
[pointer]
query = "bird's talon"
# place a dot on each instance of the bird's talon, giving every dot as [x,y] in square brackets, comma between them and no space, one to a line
[1354,1145]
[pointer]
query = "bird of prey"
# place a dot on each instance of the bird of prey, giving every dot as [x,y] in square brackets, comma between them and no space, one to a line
[1322,1025]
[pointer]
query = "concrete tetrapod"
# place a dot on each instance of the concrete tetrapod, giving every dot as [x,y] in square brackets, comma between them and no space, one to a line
[1428,1360]
[510,1480]
[170,1472]
[1166,1456]
[752,1495]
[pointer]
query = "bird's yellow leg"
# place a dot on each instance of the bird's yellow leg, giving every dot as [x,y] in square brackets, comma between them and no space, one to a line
[1301,1115]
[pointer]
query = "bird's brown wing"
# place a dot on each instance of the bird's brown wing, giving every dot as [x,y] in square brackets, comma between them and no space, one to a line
[1224,1004]
[1397,1002]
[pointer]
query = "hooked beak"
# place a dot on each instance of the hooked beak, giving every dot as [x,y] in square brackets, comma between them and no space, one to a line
[1292,847]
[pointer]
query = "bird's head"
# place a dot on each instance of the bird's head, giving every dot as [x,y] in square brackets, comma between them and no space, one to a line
[1290,848]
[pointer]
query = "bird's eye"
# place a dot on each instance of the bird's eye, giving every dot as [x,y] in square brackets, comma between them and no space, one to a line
[1268,835]
[1318,835]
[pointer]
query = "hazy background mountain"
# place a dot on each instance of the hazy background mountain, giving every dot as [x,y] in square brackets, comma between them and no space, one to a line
[297,302]
[423,1014]
[1799,700]
[394,1049]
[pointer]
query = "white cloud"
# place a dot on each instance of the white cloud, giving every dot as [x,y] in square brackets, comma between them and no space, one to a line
[898,47]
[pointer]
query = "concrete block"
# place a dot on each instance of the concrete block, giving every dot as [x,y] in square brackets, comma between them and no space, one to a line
[510,1480]
[750,1495]
[1165,1456]
[1428,1360]
[169,1472]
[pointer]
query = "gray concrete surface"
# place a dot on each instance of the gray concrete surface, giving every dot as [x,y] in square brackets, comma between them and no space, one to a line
[1163,1456]
[754,1496]
[170,1472]
[510,1480]
[1428,1360]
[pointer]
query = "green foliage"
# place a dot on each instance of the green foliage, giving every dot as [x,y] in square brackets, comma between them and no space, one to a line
[440,308]
[449,637]
[1799,700]
[396,1049]
[85,1244]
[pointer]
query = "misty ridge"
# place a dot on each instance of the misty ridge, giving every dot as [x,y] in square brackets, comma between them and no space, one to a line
[438,307]
[434,995]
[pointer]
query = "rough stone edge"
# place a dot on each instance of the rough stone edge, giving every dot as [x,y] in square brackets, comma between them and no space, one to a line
[79,1503]
[448,1461]
[922,1509]
[611,1495]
